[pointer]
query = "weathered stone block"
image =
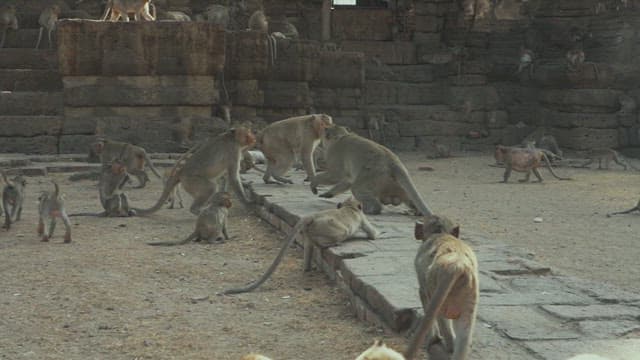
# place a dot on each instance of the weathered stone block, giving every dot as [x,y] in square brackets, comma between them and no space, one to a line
[28,58]
[29,126]
[430,127]
[361,24]
[593,312]
[87,47]
[389,52]
[428,24]
[337,98]
[524,323]
[297,60]
[389,92]
[139,90]
[246,92]
[586,138]
[561,119]
[137,111]
[31,103]
[285,94]
[247,54]
[29,145]
[473,98]
[29,80]
[340,69]
[581,100]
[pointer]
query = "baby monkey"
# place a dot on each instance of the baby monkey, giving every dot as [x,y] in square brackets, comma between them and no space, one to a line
[380,351]
[325,228]
[51,206]
[447,272]
[12,199]
[211,225]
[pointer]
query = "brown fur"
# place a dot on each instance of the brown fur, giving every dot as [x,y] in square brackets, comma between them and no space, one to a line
[134,157]
[255,357]
[8,20]
[122,8]
[607,155]
[380,351]
[50,207]
[47,20]
[13,195]
[525,160]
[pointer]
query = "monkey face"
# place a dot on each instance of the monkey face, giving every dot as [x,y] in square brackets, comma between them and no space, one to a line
[244,136]
[336,132]
[351,202]
[435,224]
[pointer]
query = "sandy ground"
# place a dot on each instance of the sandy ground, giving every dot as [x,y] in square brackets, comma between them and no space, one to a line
[107,295]
[575,236]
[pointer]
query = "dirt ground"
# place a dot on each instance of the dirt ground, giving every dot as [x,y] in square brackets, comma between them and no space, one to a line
[575,236]
[107,295]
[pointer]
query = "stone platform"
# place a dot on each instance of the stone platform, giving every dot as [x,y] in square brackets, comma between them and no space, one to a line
[526,311]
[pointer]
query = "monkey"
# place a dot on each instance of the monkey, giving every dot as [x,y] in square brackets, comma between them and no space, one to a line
[134,157]
[525,160]
[47,20]
[249,160]
[607,155]
[8,20]
[588,357]
[531,144]
[114,201]
[635,208]
[447,272]
[375,175]
[173,16]
[325,228]
[122,8]
[282,140]
[380,351]
[50,207]
[211,225]
[258,22]
[440,150]
[13,198]
[175,193]
[542,140]
[208,161]
[576,60]
[255,357]
[527,57]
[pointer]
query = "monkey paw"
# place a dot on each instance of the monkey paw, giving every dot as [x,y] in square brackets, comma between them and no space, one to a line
[327,195]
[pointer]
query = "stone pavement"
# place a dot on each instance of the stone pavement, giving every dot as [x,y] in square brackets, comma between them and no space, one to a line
[526,311]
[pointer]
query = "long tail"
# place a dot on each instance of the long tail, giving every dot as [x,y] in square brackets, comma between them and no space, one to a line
[150,164]
[172,182]
[546,160]
[430,313]
[296,229]
[56,191]
[404,179]
[637,207]
[102,214]
[174,243]
[106,10]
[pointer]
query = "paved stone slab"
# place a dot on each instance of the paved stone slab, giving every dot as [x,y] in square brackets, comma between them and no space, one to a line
[596,311]
[603,292]
[610,349]
[608,329]
[488,284]
[488,344]
[525,323]
[533,298]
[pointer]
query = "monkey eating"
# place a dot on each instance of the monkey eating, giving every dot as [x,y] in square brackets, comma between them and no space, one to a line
[205,162]
[375,175]
[211,225]
[526,160]
[122,8]
[380,351]
[325,229]
[635,208]
[283,140]
[8,20]
[134,157]
[447,272]
[607,155]
[50,207]
[47,20]
[114,201]
[12,199]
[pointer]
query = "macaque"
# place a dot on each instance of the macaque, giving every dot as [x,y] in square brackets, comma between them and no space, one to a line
[607,155]
[373,173]
[206,162]
[12,199]
[283,140]
[635,208]
[47,20]
[134,157]
[527,57]
[576,60]
[325,229]
[114,201]
[8,20]
[255,357]
[259,22]
[211,225]
[524,160]
[175,193]
[440,150]
[447,272]
[50,207]
[122,8]
[249,160]
[380,351]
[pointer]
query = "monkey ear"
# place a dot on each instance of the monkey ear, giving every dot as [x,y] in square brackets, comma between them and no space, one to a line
[456,231]
[418,230]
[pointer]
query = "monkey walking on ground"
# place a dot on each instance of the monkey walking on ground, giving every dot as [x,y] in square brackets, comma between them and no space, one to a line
[525,160]
[205,163]
[447,272]
[47,20]
[12,199]
[135,158]
[50,207]
[211,225]
[373,173]
[380,351]
[8,20]
[325,228]
[635,208]
[607,155]
[283,140]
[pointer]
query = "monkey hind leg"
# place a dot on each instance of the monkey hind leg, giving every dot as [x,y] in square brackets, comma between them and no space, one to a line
[463,327]
[526,177]
[537,174]
[4,35]
[278,167]
[39,37]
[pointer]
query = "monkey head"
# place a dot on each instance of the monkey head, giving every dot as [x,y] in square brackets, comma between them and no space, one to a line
[499,153]
[336,132]
[243,136]
[55,9]
[435,224]
[380,351]
[221,199]
[319,122]
[352,203]
[98,146]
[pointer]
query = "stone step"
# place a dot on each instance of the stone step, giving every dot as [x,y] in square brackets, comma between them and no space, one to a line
[31,103]
[29,126]
[30,80]
[17,58]
[27,38]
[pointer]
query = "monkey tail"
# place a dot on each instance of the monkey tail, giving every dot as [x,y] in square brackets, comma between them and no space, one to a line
[401,175]
[106,10]
[102,214]
[296,229]
[172,182]
[444,286]
[548,163]
[56,191]
[153,169]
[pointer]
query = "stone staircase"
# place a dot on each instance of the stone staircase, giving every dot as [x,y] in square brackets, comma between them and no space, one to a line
[31,107]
